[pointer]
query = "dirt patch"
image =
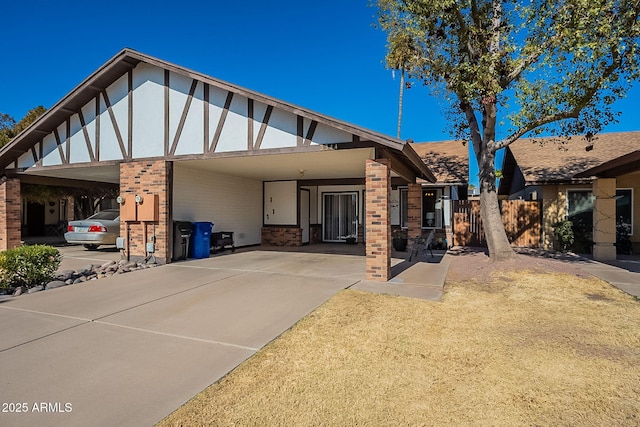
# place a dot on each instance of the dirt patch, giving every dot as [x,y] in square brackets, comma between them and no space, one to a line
[469,264]
[535,350]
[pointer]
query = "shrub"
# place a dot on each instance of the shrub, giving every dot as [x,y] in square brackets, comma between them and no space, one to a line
[563,230]
[28,266]
[623,237]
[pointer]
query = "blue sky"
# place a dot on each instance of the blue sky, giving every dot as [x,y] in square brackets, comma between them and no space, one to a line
[324,55]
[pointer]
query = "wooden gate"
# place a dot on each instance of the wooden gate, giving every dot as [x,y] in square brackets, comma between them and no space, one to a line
[522,221]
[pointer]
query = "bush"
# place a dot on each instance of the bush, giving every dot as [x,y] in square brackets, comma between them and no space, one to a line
[28,266]
[563,230]
[623,238]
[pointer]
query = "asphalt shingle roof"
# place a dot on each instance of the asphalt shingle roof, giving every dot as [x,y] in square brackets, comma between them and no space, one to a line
[448,160]
[553,159]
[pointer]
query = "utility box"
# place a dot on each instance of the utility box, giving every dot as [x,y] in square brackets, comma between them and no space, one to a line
[149,208]
[181,236]
[201,240]
[128,208]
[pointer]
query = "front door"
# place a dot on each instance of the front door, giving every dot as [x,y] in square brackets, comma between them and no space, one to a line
[304,215]
[340,216]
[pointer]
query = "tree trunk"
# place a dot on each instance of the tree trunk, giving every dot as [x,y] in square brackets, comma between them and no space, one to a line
[499,246]
[400,96]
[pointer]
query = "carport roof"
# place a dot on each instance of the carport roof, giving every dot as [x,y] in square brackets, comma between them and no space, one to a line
[128,59]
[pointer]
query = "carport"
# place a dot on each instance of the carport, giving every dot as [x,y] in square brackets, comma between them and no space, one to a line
[184,146]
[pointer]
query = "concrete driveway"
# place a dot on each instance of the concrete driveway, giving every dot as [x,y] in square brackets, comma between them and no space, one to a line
[130,349]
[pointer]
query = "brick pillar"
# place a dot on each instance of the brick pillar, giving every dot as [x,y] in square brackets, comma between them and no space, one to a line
[9,213]
[378,221]
[604,219]
[148,178]
[70,208]
[414,211]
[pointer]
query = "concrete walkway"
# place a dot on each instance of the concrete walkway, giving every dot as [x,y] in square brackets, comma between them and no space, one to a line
[130,349]
[624,273]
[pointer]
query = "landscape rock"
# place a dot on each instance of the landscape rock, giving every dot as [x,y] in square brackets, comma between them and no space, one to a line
[35,289]
[18,291]
[78,280]
[64,275]
[55,284]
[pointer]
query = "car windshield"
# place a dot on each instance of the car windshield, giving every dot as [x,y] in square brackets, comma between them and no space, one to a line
[109,215]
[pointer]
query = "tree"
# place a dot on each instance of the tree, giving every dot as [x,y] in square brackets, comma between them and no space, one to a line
[7,124]
[557,67]
[9,128]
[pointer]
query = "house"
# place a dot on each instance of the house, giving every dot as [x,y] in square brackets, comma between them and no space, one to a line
[593,183]
[183,146]
[449,162]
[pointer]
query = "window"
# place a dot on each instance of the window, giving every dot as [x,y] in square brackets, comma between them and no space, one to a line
[431,207]
[624,206]
[580,207]
[404,207]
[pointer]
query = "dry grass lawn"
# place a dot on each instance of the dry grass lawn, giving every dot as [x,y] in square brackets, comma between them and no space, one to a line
[525,349]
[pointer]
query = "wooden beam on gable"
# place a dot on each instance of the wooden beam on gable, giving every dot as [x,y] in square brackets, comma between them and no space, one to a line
[310,132]
[35,156]
[206,116]
[223,117]
[183,118]
[249,124]
[114,122]
[263,127]
[59,144]
[300,131]
[85,132]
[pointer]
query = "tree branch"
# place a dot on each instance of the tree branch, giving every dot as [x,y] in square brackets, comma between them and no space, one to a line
[573,113]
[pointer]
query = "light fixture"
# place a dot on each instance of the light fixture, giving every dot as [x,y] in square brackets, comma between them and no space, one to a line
[301,173]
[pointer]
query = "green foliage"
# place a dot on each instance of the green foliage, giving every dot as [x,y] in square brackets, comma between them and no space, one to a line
[563,230]
[558,66]
[9,128]
[28,266]
[623,238]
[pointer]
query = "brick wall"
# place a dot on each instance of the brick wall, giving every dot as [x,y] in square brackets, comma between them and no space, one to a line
[378,220]
[414,210]
[9,214]
[148,178]
[282,236]
[316,233]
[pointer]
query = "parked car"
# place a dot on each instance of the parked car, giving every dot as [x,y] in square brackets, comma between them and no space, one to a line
[99,229]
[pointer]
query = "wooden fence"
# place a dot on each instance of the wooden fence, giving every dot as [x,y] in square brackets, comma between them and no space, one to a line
[521,218]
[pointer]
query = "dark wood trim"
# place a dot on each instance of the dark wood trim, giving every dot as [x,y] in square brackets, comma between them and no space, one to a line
[263,127]
[114,122]
[41,152]
[68,140]
[310,132]
[223,117]
[249,124]
[166,112]
[130,114]
[86,136]
[35,156]
[183,117]
[206,117]
[62,182]
[98,127]
[327,182]
[398,166]
[59,144]
[300,131]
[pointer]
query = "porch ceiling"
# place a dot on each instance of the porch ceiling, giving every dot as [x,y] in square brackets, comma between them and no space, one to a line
[332,164]
[322,164]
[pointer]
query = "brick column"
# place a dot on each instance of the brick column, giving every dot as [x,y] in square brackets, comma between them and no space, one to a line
[378,221]
[604,219]
[9,213]
[71,208]
[414,211]
[148,178]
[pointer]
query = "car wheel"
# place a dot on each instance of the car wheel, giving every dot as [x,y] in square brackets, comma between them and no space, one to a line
[91,247]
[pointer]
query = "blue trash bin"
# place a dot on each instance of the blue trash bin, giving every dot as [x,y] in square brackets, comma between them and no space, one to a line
[200,244]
